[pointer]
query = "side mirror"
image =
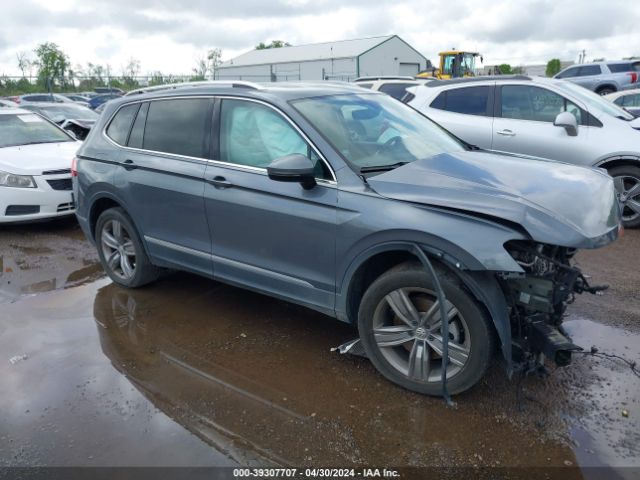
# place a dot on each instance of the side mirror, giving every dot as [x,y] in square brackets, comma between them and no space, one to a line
[293,168]
[568,122]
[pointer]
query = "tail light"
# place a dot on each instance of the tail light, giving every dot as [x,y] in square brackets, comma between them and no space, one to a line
[74,167]
[634,77]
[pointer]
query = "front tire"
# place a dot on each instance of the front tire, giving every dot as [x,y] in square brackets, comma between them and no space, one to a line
[400,330]
[121,251]
[626,179]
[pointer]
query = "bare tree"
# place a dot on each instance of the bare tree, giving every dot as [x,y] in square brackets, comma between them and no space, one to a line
[202,68]
[25,64]
[214,56]
[130,71]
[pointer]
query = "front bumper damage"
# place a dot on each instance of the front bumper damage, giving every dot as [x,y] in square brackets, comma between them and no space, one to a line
[538,299]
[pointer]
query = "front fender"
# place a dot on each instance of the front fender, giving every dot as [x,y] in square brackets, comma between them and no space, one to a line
[482,284]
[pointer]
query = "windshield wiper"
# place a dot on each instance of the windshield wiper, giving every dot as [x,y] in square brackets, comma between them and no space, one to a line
[381,168]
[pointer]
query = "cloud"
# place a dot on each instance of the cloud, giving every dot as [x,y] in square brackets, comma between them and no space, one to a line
[167,37]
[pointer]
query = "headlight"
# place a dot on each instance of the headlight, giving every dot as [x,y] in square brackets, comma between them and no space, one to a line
[17,181]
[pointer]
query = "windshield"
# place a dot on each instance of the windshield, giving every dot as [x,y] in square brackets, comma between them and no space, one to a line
[593,101]
[69,111]
[27,129]
[371,130]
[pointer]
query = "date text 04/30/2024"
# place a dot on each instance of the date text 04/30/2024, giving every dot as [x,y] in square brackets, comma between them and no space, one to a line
[315,473]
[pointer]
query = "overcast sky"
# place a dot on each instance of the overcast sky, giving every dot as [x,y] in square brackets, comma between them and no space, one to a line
[170,35]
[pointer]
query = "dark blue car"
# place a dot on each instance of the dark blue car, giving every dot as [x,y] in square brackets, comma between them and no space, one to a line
[100,99]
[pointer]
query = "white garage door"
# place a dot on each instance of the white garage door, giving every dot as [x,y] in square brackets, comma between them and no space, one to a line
[409,69]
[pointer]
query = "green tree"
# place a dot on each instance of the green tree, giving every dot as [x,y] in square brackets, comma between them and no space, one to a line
[52,64]
[553,67]
[273,44]
[505,69]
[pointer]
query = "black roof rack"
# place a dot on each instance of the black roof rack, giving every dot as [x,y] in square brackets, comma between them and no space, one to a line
[438,83]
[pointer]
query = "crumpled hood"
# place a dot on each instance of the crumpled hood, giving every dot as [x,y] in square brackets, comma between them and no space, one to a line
[554,202]
[34,159]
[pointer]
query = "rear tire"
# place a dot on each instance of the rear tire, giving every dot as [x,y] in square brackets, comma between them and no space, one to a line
[605,90]
[627,182]
[406,352]
[121,251]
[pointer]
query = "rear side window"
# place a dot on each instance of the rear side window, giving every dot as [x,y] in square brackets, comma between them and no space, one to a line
[396,90]
[570,72]
[364,85]
[470,100]
[119,127]
[620,67]
[589,70]
[177,126]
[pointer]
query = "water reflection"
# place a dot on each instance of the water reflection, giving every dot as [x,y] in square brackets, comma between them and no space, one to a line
[17,278]
[254,378]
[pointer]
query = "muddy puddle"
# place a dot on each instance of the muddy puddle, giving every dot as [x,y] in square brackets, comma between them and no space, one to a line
[189,372]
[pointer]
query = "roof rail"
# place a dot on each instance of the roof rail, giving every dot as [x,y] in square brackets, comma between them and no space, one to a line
[383,77]
[439,83]
[202,83]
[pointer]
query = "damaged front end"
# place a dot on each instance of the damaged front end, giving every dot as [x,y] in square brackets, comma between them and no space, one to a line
[538,299]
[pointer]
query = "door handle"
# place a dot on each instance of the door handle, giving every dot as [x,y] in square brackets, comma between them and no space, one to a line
[129,165]
[506,132]
[220,182]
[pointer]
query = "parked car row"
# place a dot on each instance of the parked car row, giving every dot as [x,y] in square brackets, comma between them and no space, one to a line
[443,231]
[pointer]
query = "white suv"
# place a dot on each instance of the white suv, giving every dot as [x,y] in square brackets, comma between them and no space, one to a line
[541,117]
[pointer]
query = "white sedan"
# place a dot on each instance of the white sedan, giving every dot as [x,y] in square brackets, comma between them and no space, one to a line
[35,161]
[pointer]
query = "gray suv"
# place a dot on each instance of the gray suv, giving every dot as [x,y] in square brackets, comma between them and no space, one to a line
[603,77]
[352,204]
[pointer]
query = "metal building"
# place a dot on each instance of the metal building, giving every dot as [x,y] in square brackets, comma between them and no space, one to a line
[343,60]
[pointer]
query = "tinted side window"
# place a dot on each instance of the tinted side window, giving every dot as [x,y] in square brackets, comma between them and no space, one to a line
[137,131]
[364,85]
[470,100]
[620,67]
[533,103]
[119,127]
[396,90]
[571,72]
[440,102]
[255,135]
[177,126]
[631,100]
[589,70]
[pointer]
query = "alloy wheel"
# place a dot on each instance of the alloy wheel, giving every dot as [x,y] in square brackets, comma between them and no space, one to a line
[407,329]
[118,249]
[628,191]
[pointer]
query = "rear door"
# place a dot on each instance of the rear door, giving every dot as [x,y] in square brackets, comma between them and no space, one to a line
[524,123]
[273,236]
[161,177]
[589,76]
[467,112]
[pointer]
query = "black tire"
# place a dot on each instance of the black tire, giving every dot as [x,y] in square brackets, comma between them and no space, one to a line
[605,90]
[142,271]
[479,329]
[625,177]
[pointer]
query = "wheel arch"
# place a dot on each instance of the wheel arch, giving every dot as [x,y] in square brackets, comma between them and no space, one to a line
[601,87]
[104,201]
[618,161]
[481,284]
